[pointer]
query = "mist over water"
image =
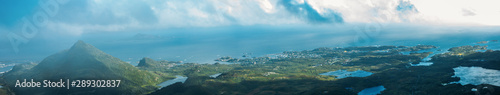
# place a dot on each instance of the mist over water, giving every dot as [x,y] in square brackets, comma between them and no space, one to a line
[338,47]
[203,45]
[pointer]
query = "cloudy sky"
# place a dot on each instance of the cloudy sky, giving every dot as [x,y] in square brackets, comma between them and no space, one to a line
[28,21]
[80,16]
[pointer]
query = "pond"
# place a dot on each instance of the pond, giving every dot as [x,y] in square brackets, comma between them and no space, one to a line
[215,75]
[344,73]
[477,76]
[172,81]
[372,90]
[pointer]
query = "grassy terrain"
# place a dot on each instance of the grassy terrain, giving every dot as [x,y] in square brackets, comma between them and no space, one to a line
[298,72]
[290,72]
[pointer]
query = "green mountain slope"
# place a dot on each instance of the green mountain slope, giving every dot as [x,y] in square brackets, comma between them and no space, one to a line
[147,62]
[84,62]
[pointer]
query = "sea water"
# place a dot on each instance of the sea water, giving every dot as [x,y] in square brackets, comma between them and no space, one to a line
[203,45]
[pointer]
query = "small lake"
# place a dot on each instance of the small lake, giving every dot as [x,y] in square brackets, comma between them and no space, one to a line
[372,90]
[425,61]
[477,76]
[172,81]
[215,75]
[423,64]
[344,73]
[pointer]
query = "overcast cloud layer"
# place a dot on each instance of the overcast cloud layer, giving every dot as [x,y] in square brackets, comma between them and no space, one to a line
[78,16]
[61,22]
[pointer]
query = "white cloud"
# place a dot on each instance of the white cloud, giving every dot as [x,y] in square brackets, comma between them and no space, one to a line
[266,6]
[451,11]
[104,15]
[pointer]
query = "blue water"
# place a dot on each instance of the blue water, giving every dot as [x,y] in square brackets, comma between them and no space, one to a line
[178,78]
[372,90]
[476,76]
[203,45]
[8,65]
[215,75]
[344,73]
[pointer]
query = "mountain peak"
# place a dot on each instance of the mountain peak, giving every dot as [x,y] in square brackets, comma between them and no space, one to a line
[82,47]
[81,44]
[147,62]
[84,61]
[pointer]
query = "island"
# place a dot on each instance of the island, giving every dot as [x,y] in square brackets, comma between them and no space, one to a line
[388,70]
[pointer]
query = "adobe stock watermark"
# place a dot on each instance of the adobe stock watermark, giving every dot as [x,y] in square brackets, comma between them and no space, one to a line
[367,33]
[30,26]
